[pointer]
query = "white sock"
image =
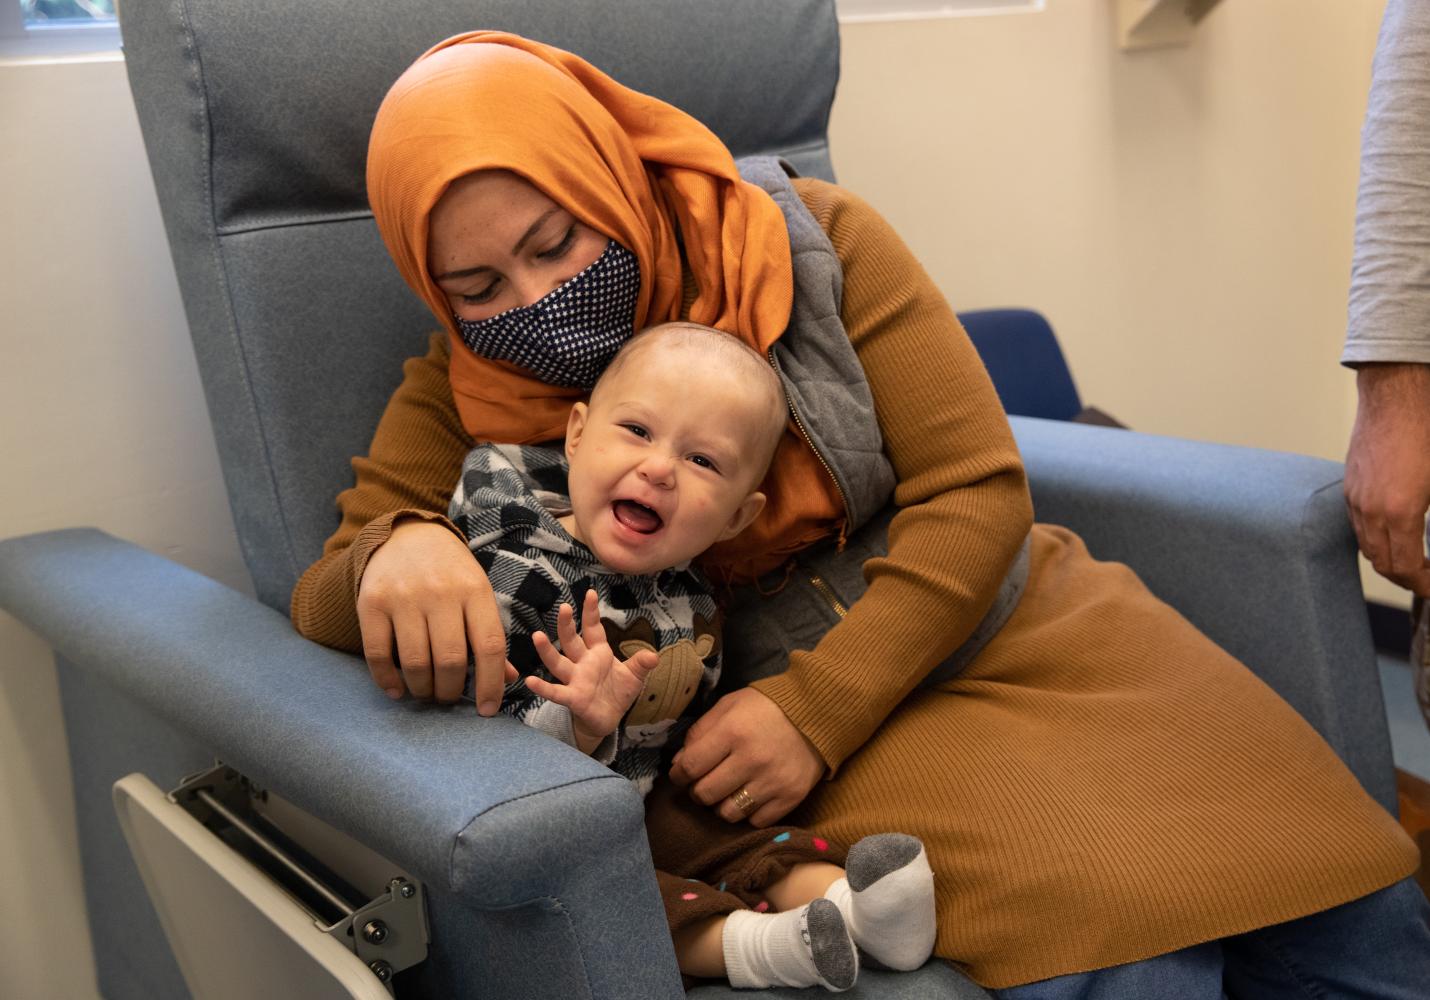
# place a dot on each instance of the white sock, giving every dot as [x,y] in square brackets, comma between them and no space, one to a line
[809,946]
[887,900]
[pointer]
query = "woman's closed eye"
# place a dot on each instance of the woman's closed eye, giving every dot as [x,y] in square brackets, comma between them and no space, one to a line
[485,295]
[554,253]
[562,248]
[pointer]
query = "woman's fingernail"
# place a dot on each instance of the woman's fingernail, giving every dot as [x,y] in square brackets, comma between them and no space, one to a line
[489,707]
[394,693]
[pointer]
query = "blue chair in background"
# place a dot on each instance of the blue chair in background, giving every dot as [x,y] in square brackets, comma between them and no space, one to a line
[1029,372]
[1022,355]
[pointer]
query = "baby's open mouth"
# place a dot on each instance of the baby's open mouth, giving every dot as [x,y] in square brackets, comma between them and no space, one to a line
[636,516]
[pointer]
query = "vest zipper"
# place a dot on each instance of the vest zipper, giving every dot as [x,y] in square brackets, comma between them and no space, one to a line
[799,422]
[823,588]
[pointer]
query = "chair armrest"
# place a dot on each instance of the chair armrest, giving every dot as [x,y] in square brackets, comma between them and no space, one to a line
[488,810]
[1254,547]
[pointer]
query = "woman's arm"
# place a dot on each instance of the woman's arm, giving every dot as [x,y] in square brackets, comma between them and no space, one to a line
[965,503]
[396,577]
[409,472]
[966,511]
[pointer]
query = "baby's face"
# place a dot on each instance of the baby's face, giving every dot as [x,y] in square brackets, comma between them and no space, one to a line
[662,463]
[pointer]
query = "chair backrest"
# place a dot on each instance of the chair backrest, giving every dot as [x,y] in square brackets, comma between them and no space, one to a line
[1022,355]
[256,114]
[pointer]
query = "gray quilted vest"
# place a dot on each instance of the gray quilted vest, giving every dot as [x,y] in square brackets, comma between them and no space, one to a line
[834,407]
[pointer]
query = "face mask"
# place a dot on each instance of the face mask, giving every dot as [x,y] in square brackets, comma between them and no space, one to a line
[568,337]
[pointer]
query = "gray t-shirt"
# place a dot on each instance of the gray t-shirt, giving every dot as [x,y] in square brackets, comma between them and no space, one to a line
[1390,275]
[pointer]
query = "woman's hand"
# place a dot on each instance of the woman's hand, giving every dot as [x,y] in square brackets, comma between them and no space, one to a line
[745,741]
[424,595]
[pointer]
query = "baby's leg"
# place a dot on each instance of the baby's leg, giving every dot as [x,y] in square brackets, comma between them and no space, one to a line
[692,841]
[801,883]
[887,900]
[712,869]
[807,946]
[886,897]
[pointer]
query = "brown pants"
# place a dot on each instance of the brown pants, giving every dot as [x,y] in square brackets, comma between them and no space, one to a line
[707,867]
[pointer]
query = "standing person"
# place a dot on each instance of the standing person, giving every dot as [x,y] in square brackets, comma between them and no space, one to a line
[1098,785]
[1388,337]
[665,461]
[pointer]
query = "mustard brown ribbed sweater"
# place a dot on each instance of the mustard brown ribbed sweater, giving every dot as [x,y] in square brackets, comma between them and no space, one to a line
[1102,785]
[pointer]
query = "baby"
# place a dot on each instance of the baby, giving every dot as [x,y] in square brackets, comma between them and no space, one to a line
[665,460]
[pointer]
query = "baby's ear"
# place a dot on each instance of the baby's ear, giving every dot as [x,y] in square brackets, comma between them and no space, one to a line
[748,510]
[575,424]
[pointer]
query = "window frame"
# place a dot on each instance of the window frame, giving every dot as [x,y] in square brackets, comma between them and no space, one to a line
[18,39]
[860,11]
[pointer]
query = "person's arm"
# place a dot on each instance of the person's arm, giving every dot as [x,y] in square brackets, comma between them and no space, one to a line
[966,512]
[1387,480]
[396,581]
[965,507]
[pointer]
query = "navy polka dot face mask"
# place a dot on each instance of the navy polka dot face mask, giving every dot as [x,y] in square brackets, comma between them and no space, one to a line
[568,337]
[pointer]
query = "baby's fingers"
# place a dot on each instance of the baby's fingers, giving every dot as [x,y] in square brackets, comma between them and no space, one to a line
[558,693]
[643,663]
[593,633]
[571,643]
[559,665]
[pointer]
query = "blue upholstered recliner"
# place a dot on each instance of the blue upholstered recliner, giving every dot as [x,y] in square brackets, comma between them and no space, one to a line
[255,116]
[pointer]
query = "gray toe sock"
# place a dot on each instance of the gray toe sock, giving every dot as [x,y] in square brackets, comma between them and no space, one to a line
[874,857]
[829,943]
[887,898]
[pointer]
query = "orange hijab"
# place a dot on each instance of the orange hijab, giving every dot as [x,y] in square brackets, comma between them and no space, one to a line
[629,166]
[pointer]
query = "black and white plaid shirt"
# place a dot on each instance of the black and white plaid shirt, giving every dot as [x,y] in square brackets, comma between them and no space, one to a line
[507,503]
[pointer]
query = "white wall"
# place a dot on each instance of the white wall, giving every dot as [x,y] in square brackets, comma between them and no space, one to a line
[1182,216]
[101,423]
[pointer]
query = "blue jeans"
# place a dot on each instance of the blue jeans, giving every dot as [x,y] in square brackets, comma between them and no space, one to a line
[1374,948]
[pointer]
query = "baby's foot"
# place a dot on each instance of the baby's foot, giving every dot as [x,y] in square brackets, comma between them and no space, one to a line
[887,900]
[809,946]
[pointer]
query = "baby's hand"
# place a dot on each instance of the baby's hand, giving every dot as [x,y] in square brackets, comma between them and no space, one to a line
[594,685]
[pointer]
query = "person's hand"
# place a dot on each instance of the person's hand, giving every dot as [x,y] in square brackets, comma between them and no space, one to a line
[1387,482]
[596,687]
[424,595]
[745,741]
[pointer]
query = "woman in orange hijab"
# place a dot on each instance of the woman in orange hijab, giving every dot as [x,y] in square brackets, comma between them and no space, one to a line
[616,165]
[1101,788]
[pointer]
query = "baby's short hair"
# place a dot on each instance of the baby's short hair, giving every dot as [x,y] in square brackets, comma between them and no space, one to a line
[725,349]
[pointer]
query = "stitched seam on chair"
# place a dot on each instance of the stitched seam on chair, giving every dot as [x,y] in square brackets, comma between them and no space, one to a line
[1316,605]
[835,42]
[452,854]
[782,152]
[565,911]
[580,952]
[191,43]
[293,223]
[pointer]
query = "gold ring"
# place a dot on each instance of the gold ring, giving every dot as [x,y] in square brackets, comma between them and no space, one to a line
[744,801]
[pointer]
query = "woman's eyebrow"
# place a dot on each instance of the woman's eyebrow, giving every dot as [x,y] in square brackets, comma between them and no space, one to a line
[531,230]
[465,272]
